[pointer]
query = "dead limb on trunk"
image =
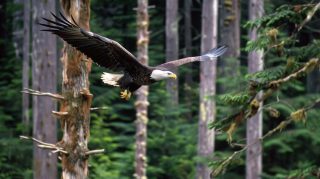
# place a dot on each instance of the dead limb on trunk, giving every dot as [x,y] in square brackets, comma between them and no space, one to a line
[38,93]
[57,149]
[45,145]
[99,108]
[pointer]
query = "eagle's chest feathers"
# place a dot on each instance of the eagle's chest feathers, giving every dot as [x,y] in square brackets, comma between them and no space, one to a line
[139,79]
[142,80]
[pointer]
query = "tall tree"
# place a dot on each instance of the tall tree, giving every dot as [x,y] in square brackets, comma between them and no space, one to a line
[142,94]
[44,78]
[254,124]
[188,52]
[172,44]
[230,35]
[26,61]
[75,110]
[187,27]
[207,85]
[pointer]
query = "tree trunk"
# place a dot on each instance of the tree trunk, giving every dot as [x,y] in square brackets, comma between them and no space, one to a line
[26,62]
[187,27]
[75,89]
[142,94]
[207,86]
[230,35]
[44,69]
[172,44]
[254,124]
[18,29]
[188,52]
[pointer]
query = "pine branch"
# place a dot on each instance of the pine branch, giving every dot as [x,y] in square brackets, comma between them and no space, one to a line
[38,93]
[279,44]
[309,16]
[251,107]
[293,117]
[308,67]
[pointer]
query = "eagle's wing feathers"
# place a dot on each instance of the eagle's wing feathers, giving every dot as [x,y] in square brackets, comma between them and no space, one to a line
[210,55]
[103,51]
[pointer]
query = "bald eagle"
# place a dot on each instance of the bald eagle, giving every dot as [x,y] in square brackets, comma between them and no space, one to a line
[111,55]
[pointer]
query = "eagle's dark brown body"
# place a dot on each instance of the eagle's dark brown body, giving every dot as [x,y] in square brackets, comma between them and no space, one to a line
[132,83]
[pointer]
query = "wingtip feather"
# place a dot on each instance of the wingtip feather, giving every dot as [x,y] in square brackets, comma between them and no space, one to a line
[216,52]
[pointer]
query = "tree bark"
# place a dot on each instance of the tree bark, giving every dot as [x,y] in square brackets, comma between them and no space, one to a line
[26,62]
[44,68]
[75,89]
[254,124]
[188,52]
[142,103]
[187,27]
[172,44]
[230,35]
[207,86]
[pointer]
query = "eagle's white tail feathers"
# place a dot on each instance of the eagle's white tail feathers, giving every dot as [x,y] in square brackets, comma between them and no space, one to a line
[111,79]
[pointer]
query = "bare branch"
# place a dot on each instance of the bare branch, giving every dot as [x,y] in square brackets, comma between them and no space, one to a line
[98,108]
[149,7]
[317,102]
[309,66]
[98,151]
[45,145]
[309,16]
[38,93]
[36,140]
[59,114]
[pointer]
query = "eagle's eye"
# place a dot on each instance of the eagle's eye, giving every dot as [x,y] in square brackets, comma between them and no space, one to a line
[169,73]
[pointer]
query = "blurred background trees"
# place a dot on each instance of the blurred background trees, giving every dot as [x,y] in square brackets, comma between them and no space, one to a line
[254,124]
[44,79]
[173,130]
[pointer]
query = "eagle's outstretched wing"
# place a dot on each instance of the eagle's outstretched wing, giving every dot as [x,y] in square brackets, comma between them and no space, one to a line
[103,51]
[211,54]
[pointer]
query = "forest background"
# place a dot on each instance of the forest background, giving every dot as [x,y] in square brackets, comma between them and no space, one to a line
[173,129]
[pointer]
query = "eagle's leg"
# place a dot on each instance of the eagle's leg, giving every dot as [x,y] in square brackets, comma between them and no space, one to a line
[126,94]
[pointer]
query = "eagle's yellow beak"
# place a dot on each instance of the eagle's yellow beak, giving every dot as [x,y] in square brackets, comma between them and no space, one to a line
[174,76]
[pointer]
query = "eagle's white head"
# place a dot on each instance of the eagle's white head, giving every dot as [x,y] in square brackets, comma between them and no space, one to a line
[158,75]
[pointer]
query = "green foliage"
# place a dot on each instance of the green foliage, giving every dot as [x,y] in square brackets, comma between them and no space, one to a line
[175,135]
[172,133]
[285,14]
[12,158]
[286,50]
[235,99]
[267,75]
[114,130]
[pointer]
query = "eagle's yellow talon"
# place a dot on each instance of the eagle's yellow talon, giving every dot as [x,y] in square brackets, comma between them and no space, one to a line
[126,94]
[123,94]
